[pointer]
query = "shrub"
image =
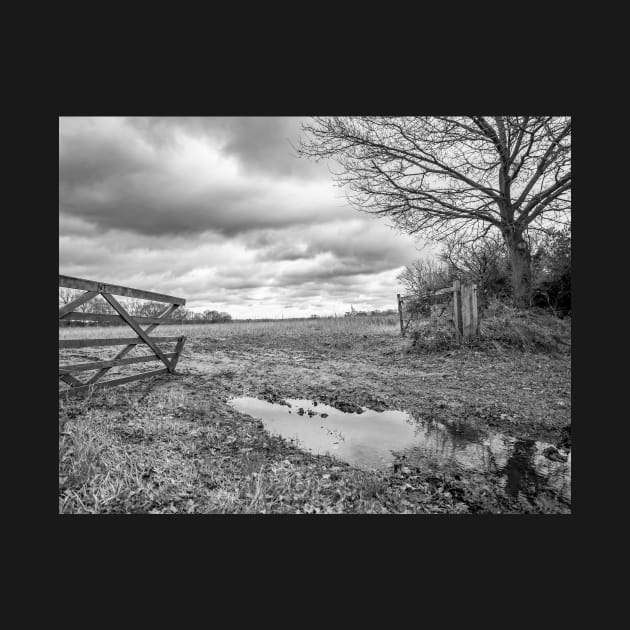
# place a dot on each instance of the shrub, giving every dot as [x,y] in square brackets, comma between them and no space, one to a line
[502,327]
[552,273]
[484,262]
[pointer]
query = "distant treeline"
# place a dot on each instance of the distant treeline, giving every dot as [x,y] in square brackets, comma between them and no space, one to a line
[211,317]
[182,316]
[137,308]
[351,313]
[354,313]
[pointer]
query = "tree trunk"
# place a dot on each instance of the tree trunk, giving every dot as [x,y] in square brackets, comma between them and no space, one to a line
[520,259]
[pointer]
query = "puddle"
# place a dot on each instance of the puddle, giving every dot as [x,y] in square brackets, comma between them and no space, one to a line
[520,465]
[368,439]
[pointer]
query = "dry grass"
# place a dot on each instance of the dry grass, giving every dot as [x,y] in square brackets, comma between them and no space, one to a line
[124,452]
[135,459]
[237,329]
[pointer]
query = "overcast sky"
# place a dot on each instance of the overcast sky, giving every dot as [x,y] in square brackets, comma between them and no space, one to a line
[219,211]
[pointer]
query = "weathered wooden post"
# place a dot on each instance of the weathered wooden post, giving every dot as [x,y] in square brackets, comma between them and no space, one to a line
[470,316]
[457,309]
[475,309]
[400,315]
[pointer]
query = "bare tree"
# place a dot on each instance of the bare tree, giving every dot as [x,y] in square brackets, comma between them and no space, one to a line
[152,309]
[66,296]
[454,175]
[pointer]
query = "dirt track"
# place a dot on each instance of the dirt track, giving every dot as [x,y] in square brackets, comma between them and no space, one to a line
[521,395]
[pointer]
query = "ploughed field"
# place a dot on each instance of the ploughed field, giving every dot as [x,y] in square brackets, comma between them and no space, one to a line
[472,430]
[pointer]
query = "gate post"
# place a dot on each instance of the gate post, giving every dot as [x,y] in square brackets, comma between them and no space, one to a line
[400,315]
[470,317]
[457,309]
[475,305]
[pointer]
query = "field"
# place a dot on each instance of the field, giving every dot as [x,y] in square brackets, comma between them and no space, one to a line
[173,444]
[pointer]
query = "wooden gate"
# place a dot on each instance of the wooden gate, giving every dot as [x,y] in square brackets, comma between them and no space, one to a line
[465,312]
[107,291]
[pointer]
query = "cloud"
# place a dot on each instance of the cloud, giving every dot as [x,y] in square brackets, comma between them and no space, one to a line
[261,144]
[115,178]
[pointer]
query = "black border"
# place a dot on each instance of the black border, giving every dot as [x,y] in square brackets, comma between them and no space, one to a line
[270,87]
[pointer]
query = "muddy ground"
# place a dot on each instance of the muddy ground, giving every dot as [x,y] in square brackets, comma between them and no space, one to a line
[193,452]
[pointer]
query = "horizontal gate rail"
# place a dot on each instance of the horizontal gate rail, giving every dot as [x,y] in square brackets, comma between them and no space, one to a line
[84,389]
[117,341]
[112,319]
[71,380]
[90,285]
[106,291]
[97,365]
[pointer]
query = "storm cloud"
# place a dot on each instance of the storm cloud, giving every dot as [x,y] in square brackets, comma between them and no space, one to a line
[221,211]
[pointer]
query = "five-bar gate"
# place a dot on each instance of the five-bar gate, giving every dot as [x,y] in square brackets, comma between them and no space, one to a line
[107,291]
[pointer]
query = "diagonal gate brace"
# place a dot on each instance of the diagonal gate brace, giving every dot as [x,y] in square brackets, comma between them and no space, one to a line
[127,349]
[132,324]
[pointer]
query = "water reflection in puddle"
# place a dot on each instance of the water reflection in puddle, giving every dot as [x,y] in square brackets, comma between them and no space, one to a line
[368,439]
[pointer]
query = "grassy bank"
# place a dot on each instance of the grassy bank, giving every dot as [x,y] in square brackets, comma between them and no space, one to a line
[158,453]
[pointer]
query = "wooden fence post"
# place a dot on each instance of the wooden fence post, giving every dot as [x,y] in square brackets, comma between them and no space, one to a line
[178,350]
[400,315]
[470,317]
[457,309]
[475,310]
